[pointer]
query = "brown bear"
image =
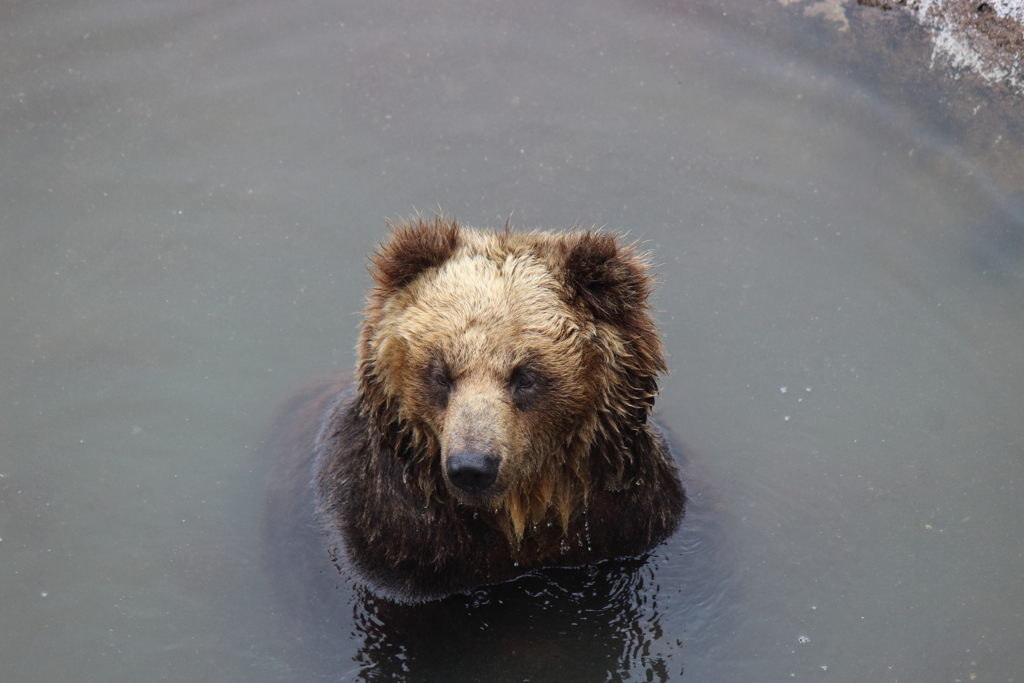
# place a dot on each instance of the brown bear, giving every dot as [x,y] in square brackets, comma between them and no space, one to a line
[499,421]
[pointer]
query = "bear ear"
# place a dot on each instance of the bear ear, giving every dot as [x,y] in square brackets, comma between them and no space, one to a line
[414,246]
[612,279]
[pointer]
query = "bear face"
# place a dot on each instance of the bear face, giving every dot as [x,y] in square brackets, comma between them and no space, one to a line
[523,364]
[498,422]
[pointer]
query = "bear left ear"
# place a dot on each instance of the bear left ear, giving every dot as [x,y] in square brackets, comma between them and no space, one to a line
[413,248]
[612,279]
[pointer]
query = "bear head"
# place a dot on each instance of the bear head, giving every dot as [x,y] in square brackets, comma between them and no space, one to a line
[511,372]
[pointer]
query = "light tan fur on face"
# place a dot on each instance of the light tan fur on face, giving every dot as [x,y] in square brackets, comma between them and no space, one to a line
[494,305]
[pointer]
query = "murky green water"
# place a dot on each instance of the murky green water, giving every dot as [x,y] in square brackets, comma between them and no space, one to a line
[187,194]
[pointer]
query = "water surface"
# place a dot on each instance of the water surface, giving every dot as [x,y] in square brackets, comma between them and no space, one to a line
[189,190]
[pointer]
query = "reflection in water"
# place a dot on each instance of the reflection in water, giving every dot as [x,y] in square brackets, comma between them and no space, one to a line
[584,624]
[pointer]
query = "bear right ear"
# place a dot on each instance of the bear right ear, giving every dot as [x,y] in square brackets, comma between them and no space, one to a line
[413,248]
[613,279]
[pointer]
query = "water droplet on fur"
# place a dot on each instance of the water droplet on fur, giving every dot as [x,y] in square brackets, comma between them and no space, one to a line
[515,564]
[476,514]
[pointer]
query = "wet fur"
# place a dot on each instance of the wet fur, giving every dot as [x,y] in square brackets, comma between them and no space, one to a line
[537,348]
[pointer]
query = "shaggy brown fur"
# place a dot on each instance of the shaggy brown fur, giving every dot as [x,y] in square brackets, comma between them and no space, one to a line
[499,422]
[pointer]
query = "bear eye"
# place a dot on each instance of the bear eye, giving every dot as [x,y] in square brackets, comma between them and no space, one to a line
[526,387]
[441,378]
[523,381]
[439,382]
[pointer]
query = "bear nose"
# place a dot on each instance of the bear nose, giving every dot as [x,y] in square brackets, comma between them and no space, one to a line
[472,472]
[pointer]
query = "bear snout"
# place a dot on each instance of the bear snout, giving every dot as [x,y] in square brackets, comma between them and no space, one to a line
[473,473]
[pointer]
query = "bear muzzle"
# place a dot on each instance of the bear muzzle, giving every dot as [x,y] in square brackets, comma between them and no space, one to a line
[472,473]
